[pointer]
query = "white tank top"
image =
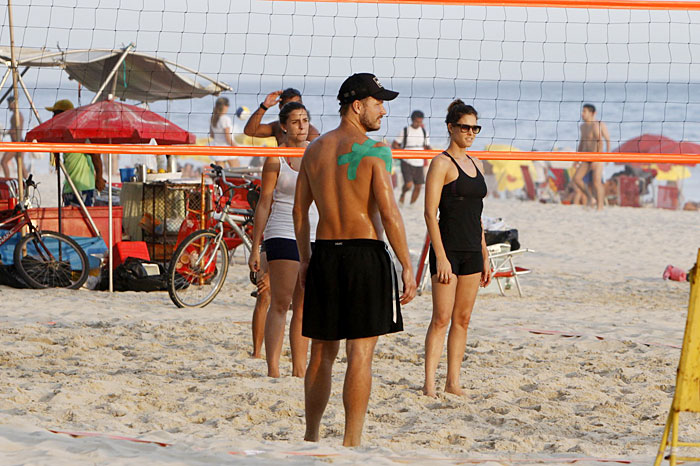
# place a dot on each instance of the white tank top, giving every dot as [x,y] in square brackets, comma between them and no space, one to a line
[280,224]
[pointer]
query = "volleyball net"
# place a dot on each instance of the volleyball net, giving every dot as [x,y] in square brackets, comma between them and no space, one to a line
[528,67]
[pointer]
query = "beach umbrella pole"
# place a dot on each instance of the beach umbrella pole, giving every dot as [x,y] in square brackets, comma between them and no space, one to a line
[111,226]
[15,104]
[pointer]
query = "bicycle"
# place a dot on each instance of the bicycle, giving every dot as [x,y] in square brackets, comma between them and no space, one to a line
[199,266]
[43,259]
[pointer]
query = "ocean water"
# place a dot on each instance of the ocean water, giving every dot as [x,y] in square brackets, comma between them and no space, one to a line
[528,115]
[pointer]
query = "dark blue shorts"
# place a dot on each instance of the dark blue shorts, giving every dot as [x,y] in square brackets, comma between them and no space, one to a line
[281,249]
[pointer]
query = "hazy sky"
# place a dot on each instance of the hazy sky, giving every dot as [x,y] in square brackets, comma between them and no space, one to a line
[431,53]
[240,38]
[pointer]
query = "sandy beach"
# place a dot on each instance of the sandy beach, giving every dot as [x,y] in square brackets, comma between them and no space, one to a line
[133,365]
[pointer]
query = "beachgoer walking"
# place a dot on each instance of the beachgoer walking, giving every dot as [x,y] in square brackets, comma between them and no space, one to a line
[413,137]
[349,280]
[85,170]
[221,131]
[591,140]
[458,256]
[273,221]
[15,136]
[255,128]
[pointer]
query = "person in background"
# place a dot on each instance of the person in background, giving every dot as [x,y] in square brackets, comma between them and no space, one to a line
[221,132]
[591,138]
[273,220]
[84,169]
[256,129]
[413,137]
[459,260]
[16,136]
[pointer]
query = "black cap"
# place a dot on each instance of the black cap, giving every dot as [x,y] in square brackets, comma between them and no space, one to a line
[363,85]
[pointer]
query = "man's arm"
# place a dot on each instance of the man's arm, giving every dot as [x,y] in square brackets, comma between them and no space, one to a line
[303,197]
[579,148]
[393,225]
[97,164]
[604,133]
[254,128]
[395,145]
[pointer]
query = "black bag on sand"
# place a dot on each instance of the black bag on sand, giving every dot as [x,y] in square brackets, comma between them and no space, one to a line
[503,236]
[10,277]
[131,275]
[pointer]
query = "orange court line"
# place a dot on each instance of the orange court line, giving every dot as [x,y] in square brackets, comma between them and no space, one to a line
[596,4]
[126,149]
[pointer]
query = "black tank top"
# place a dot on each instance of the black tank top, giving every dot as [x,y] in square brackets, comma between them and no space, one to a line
[460,209]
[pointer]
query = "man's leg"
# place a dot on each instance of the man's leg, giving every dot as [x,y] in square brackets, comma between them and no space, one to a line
[598,188]
[317,385]
[580,173]
[357,387]
[416,193]
[6,163]
[407,180]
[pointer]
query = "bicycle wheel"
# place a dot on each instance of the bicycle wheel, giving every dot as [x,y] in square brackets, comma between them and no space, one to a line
[49,259]
[197,270]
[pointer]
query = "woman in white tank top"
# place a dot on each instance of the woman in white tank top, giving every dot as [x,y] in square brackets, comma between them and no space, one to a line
[273,220]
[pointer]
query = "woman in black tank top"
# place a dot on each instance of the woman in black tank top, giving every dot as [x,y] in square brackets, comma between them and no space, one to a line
[458,257]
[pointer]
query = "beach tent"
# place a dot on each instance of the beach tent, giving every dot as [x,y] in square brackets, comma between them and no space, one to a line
[123,73]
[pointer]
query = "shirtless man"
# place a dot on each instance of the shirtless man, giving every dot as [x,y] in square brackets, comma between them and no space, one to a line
[592,134]
[349,279]
[255,129]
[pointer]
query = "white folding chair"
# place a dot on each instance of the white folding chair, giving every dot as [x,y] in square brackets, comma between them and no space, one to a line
[503,267]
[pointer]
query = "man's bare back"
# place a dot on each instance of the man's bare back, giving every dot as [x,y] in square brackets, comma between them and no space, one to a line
[347,208]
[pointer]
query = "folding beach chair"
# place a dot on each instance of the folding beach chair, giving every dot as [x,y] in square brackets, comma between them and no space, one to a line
[503,268]
[530,188]
[667,197]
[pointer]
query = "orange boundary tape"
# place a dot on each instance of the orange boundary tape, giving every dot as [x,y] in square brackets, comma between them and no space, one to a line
[622,157]
[595,4]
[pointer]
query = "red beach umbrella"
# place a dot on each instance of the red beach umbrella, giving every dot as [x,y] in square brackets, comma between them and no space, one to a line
[658,144]
[111,123]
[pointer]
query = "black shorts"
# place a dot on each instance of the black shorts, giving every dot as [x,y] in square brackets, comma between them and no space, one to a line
[462,262]
[350,287]
[412,174]
[281,248]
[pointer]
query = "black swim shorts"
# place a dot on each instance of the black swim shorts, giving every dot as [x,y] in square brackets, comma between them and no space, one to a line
[412,174]
[463,263]
[350,288]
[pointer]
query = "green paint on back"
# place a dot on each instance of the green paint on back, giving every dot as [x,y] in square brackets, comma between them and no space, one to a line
[360,151]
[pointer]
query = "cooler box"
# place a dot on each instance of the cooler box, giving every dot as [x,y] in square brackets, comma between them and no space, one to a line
[5,184]
[74,224]
[124,249]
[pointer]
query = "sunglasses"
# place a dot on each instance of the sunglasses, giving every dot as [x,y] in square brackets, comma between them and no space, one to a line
[475,129]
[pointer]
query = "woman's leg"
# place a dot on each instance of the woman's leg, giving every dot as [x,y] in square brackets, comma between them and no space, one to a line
[467,287]
[299,343]
[443,302]
[283,278]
